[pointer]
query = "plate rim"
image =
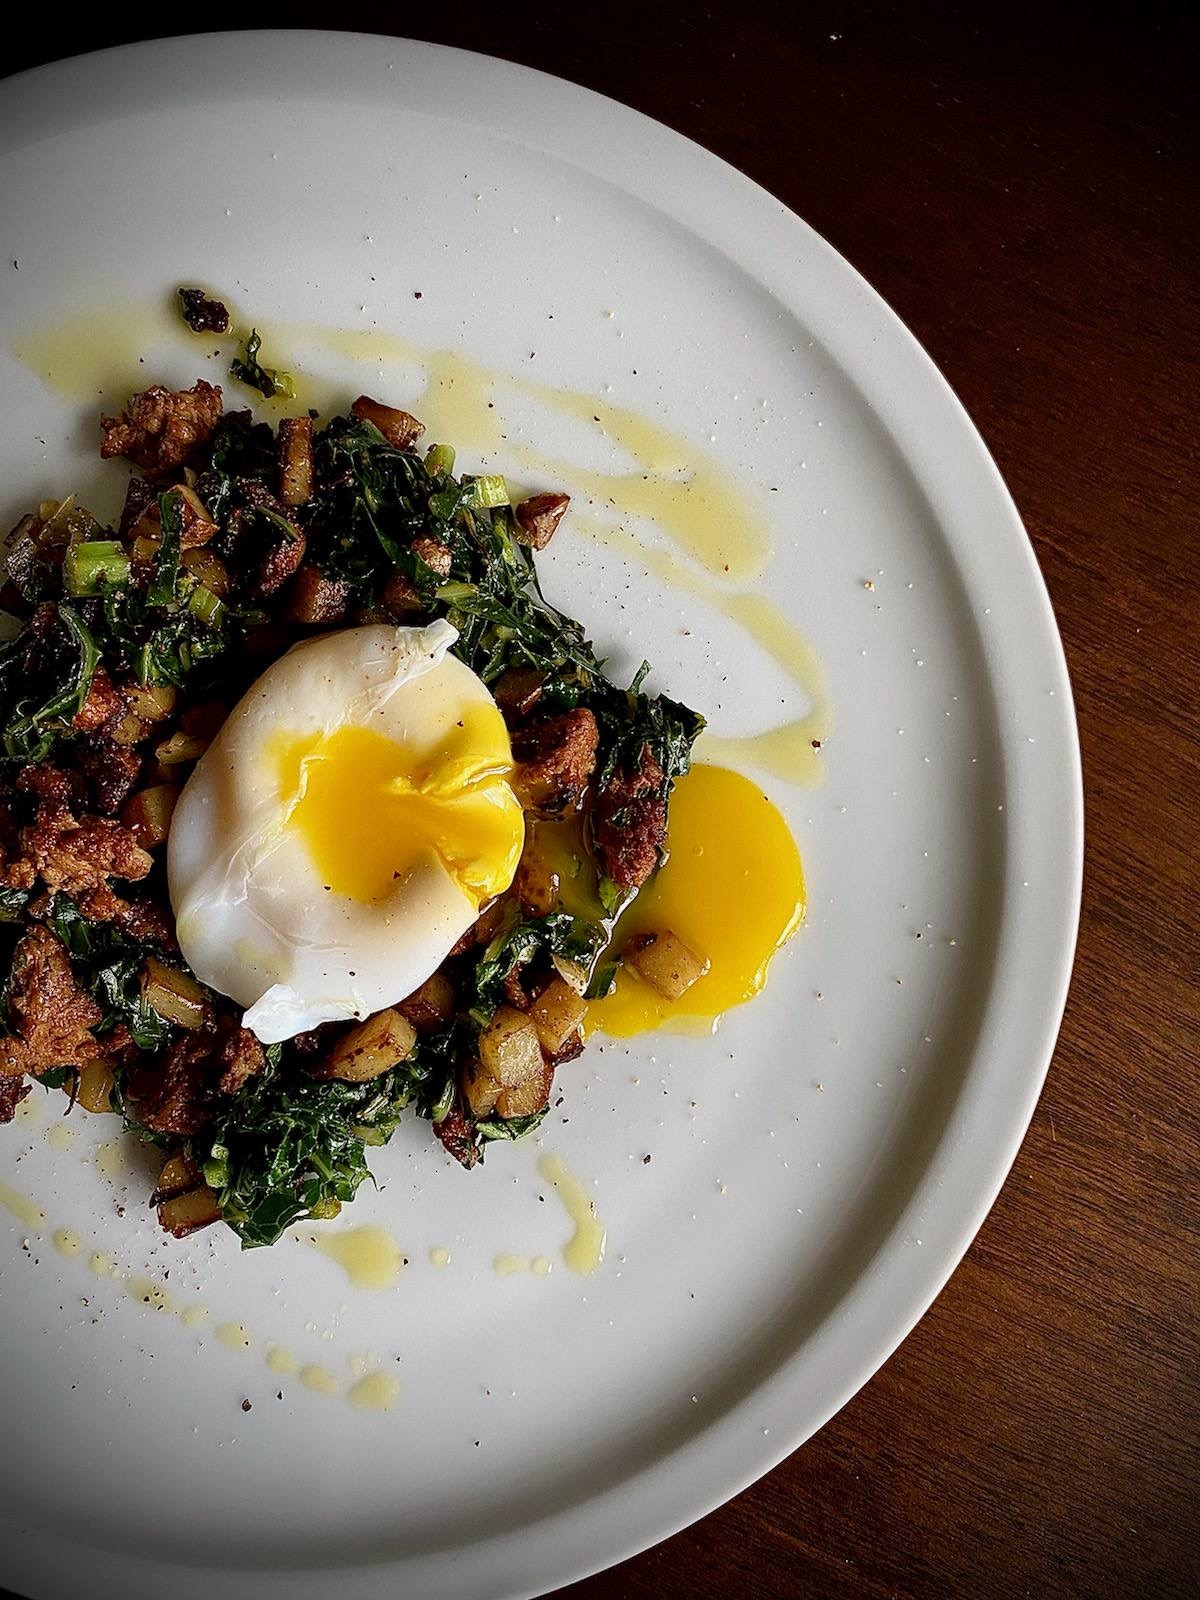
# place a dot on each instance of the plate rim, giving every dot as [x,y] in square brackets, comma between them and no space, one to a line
[571,1550]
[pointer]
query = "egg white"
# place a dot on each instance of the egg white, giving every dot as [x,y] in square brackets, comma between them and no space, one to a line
[253,918]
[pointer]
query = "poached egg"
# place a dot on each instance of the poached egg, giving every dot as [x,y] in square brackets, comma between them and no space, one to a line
[344,828]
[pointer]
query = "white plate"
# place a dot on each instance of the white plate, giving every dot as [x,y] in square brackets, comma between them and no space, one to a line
[820,1166]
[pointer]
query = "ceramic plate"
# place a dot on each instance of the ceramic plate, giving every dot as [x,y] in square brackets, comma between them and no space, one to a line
[782,1200]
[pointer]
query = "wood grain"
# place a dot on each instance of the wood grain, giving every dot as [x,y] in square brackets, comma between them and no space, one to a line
[1021,185]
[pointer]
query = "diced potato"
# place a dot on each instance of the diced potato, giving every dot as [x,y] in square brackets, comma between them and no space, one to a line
[527,1097]
[197,526]
[151,702]
[482,1089]
[144,548]
[556,1014]
[315,598]
[399,428]
[148,814]
[401,596]
[130,730]
[373,1047]
[430,1007]
[509,1048]
[185,1213]
[96,1083]
[663,959]
[180,747]
[207,568]
[537,883]
[179,1173]
[174,994]
[295,460]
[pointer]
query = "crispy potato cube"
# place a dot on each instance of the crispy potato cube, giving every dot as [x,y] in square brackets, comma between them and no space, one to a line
[399,428]
[151,703]
[481,1089]
[371,1048]
[665,962]
[96,1083]
[185,1213]
[180,747]
[295,460]
[179,1173]
[539,517]
[556,1014]
[314,598]
[527,1098]
[130,730]
[509,1048]
[207,568]
[173,993]
[148,814]
[196,524]
[401,596]
[430,1007]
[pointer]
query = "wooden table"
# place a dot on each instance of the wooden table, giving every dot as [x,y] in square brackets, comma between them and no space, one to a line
[1022,189]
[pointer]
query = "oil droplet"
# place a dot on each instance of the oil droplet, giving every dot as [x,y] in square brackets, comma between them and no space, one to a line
[320,1379]
[234,1336]
[100,1265]
[60,1138]
[281,1361]
[376,1391]
[584,1250]
[789,751]
[111,1159]
[370,1257]
[67,1242]
[21,1206]
[541,1266]
[439,1256]
[149,1293]
[507,1265]
[194,1316]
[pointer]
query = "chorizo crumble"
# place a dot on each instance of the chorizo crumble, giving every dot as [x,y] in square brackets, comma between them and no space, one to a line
[235,541]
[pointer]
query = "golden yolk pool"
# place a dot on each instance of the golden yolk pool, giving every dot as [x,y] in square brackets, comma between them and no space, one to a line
[732,889]
[370,811]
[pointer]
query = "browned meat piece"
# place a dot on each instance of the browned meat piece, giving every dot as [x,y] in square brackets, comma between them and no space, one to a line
[518,691]
[629,822]
[50,1015]
[314,598]
[12,1091]
[399,428]
[161,428]
[55,789]
[241,1057]
[295,460]
[202,314]
[283,557]
[539,516]
[76,856]
[457,1134]
[142,920]
[175,1094]
[555,759]
[104,706]
[112,770]
[434,554]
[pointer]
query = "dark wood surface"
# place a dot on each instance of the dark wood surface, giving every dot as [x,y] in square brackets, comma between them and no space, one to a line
[1021,185]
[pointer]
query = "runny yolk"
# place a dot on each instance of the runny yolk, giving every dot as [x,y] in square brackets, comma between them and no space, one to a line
[371,812]
[732,889]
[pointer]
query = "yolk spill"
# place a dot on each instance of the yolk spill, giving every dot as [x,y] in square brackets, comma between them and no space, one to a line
[732,889]
[454,805]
